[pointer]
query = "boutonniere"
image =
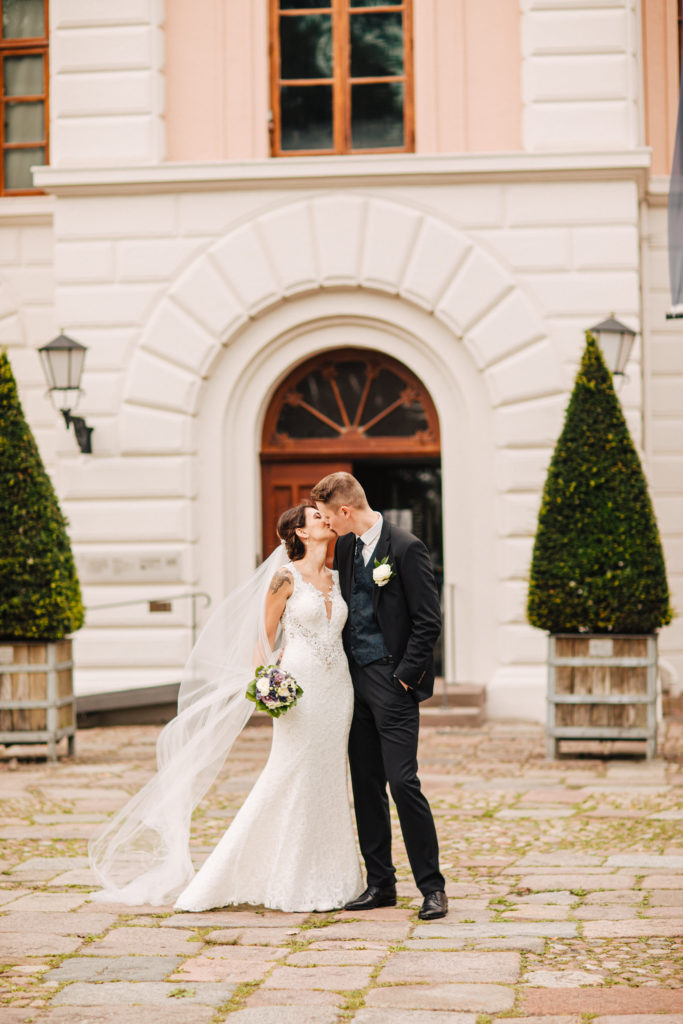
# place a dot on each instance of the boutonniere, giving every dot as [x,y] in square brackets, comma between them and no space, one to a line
[383,572]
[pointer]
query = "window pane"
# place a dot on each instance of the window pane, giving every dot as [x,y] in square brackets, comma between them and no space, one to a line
[375,3]
[385,389]
[24,122]
[377,115]
[22,19]
[306,116]
[18,163]
[376,44]
[288,5]
[297,422]
[317,391]
[306,46]
[24,76]
[402,422]
[351,381]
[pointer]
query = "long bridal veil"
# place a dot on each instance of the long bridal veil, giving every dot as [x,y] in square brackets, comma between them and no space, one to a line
[143,854]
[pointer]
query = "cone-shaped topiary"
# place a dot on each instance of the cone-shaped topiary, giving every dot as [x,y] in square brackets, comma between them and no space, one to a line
[40,598]
[597,564]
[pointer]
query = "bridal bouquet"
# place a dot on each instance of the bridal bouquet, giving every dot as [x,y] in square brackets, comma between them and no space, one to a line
[273,690]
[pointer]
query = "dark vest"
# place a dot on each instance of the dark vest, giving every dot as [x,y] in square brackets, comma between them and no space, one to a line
[367,643]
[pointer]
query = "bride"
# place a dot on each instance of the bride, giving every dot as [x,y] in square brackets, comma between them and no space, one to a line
[291,845]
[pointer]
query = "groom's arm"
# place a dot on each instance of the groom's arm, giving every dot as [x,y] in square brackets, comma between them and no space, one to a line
[422,598]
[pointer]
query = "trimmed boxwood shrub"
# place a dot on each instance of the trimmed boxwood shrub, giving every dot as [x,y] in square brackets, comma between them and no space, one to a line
[40,598]
[597,564]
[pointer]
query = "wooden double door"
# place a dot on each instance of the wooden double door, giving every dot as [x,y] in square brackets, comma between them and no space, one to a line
[286,484]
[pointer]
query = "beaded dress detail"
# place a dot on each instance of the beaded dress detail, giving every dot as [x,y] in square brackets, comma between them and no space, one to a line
[291,845]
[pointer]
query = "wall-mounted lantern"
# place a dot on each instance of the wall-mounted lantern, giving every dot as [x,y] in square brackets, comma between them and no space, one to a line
[62,360]
[616,341]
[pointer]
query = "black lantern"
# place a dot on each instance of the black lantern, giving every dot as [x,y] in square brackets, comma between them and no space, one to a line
[616,341]
[62,360]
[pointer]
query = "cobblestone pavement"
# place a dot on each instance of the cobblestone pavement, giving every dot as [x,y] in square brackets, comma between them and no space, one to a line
[565,881]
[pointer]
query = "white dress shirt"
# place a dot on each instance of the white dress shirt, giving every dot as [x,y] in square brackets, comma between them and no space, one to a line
[370,538]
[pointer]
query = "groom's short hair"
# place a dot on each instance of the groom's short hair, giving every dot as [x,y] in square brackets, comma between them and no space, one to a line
[339,489]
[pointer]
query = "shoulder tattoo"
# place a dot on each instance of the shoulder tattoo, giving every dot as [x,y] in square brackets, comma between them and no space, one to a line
[281,577]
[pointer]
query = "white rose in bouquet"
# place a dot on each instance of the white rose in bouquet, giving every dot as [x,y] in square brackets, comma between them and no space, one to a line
[263,687]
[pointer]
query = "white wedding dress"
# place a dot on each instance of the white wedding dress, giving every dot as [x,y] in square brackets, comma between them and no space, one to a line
[291,845]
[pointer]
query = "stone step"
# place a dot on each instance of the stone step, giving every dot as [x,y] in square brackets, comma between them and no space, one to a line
[465,706]
[457,695]
[452,717]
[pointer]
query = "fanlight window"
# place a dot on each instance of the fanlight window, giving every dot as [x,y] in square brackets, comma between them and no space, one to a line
[351,403]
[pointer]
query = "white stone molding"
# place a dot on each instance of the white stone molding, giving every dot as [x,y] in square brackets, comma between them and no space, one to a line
[107,91]
[11,332]
[24,211]
[336,172]
[580,75]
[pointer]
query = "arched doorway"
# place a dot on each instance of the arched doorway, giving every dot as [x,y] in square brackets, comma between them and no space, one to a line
[361,411]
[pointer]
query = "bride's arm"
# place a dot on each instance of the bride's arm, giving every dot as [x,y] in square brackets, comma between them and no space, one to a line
[279,592]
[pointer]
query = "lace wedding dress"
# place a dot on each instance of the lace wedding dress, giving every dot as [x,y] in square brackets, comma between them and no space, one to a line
[291,845]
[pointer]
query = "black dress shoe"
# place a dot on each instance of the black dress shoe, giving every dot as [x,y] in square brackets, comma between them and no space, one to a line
[435,904]
[373,897]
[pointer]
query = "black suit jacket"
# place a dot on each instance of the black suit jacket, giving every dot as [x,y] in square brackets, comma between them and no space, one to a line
[407,609]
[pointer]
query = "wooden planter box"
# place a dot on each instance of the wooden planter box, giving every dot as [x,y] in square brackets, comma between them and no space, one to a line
[36,694]
[602,687]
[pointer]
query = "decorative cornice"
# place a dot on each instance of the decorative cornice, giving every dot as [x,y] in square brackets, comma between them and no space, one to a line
[336,171]
[658,190]
[26,210]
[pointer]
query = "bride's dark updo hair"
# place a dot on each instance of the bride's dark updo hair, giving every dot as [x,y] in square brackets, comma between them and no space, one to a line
[289,522]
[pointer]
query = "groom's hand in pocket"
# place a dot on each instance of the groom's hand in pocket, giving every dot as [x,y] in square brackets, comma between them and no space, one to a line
[404,685]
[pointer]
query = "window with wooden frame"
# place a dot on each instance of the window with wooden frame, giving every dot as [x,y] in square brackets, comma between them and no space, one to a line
[24,92]
[341,77]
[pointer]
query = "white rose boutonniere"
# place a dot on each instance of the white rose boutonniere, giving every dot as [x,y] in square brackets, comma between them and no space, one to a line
[383,572]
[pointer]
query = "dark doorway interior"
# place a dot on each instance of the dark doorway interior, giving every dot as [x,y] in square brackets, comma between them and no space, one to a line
[409,495]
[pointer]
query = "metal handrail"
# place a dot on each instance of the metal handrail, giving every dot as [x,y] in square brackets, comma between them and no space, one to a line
[162,598]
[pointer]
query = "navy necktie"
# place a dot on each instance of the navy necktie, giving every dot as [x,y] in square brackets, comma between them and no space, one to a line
[358,561]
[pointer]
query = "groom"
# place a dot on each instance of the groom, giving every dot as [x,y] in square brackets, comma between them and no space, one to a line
[394,621]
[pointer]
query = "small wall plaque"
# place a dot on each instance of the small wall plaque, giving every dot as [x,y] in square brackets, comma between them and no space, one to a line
[131,567]
[601,648]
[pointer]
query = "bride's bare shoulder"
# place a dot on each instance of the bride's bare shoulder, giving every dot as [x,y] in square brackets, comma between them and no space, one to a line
[282,579]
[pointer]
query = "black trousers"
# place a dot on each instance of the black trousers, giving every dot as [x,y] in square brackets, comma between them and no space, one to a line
[383,749]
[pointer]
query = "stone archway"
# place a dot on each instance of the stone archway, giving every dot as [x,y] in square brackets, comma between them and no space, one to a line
[282,287]
[332,241]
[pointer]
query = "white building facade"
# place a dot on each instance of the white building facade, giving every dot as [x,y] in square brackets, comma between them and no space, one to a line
[201,271]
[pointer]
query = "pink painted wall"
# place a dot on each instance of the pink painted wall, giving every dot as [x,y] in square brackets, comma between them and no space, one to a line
[216,79]
[468,93]
[660,71]
[468,76]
